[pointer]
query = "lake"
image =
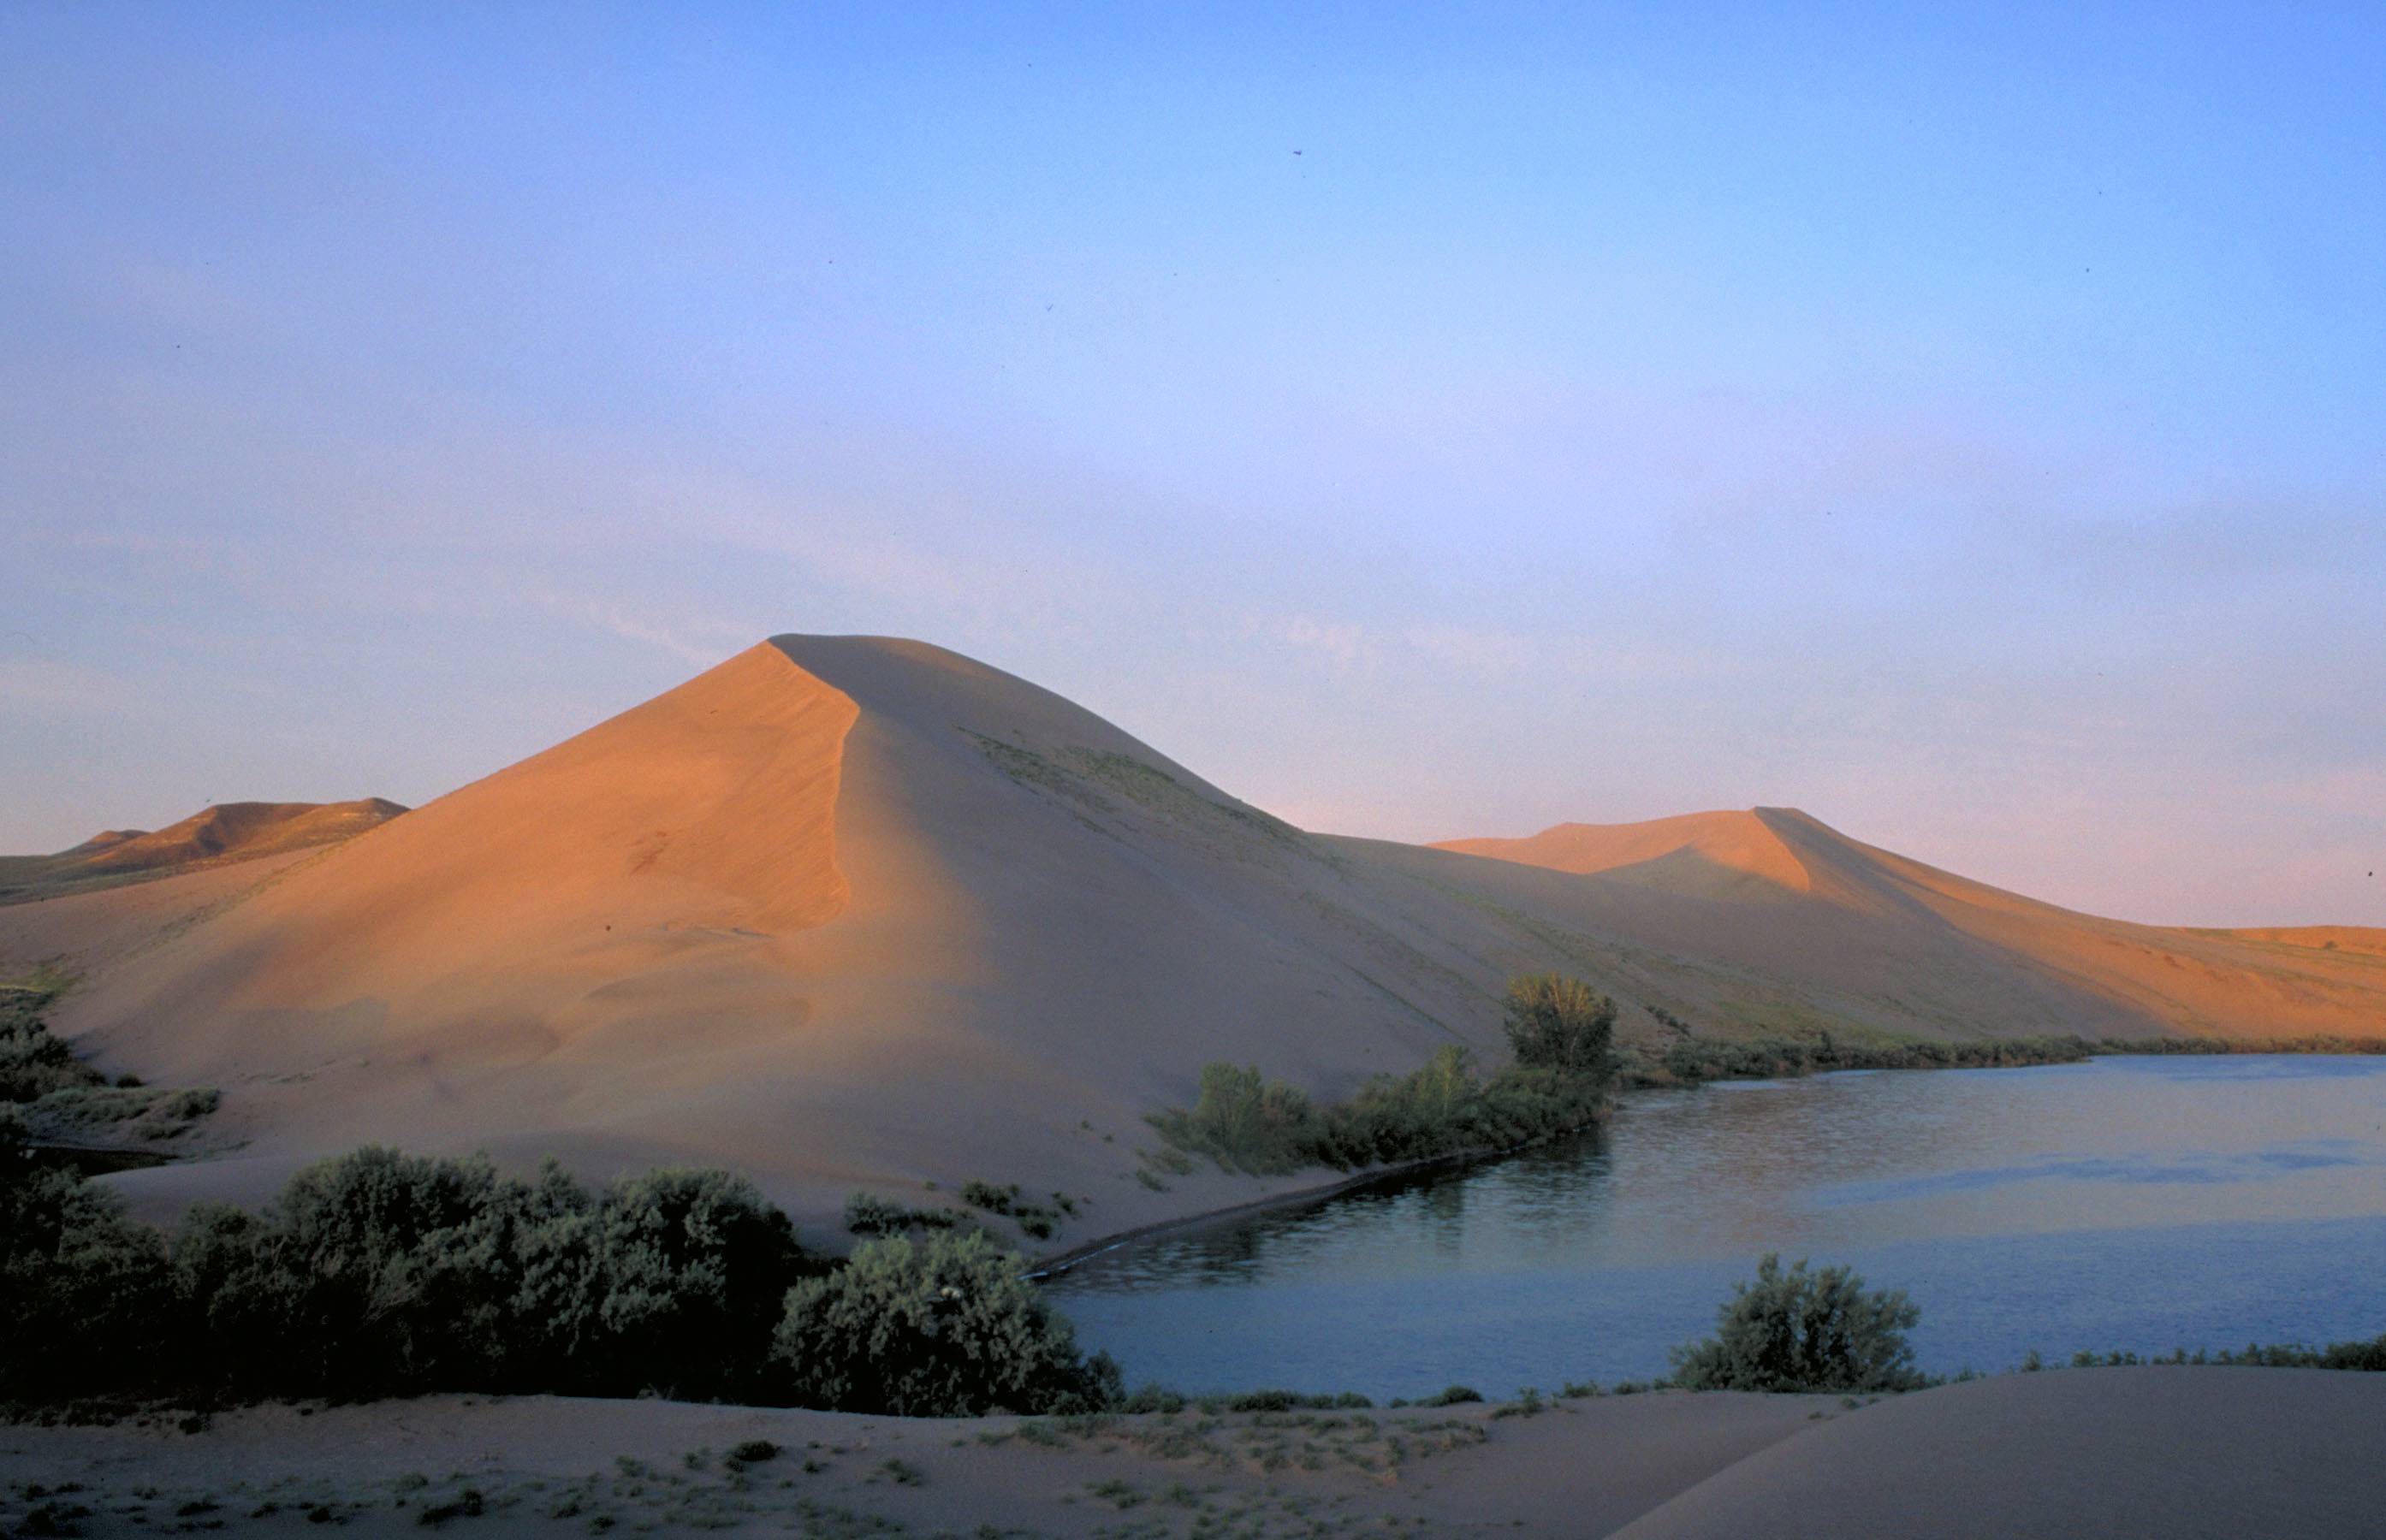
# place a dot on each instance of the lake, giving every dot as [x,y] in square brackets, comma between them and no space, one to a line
[2137,1203]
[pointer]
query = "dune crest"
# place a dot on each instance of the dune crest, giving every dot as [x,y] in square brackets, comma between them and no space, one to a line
[1731,843]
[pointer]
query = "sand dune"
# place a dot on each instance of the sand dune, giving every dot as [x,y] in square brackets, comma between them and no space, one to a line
[225,832]
[851,912]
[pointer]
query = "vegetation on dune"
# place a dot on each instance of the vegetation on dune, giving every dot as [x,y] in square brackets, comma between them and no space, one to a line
[1801,1330]
[866,1214]
[1562,1036]
[64,1098]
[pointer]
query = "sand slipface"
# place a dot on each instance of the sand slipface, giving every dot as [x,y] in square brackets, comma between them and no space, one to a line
[855,912]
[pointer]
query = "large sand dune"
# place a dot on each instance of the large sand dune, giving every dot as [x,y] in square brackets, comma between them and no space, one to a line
[854,912]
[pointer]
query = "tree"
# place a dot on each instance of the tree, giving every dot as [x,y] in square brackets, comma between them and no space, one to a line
[1805,1331]
[1560,1023]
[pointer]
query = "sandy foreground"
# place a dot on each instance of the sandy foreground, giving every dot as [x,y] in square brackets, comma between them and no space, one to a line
[2077,1452]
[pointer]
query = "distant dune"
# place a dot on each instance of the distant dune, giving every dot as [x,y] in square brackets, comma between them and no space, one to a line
[225,832]
[851,912]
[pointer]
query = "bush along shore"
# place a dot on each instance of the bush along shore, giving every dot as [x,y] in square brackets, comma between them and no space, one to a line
[1692,1059]
[379,1273]
[1561,1079]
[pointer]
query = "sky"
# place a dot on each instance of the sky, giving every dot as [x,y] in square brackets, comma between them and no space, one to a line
[1968,424]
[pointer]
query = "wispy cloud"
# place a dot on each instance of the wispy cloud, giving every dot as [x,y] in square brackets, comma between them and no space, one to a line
[705,642]
[42,684]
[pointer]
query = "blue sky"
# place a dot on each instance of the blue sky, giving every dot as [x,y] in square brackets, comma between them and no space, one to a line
[1423,422]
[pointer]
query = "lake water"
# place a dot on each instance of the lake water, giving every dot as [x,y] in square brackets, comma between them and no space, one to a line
[2126,1203]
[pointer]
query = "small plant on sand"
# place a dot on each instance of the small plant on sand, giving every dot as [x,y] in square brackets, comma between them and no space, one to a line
[1797,1330]
[866,1214]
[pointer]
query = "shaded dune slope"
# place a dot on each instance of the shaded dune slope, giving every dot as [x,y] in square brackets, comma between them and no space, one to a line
[848,912]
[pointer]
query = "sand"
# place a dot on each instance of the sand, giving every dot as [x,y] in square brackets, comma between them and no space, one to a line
[226,832]
[851,913]
[2174,1452]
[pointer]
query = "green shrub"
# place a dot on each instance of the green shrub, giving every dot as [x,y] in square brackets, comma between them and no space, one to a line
[868,1215]
[1034,1219]
[1246,1123]
[85,1303]
[1802,1331]
[696,1265]
[33,1063]
[947,1327]
[1559,1023]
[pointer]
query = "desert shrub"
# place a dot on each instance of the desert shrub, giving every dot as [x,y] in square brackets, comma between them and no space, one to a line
[1770,1058]
[946,1327]
[375,1271]
[866,1214]
[1560,1023]
[1034,1219]
[379,1272]
[1443,1108]
[1240,1119]
[1801,1330]
[2368,1356]
[33,1063]
[696,1265]
[84,1300]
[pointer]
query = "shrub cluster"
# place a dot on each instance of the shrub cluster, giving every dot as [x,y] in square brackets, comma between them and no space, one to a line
[1693,1059]
[65,1099]
[866,1214]
[2361,1357]
[1772,1056]
[1558,1023]
[379,1273]
[32,1062]
[1564,1068]
[1798,1329]
[930,1330]
[1246,1122]
[2320,1044]
[1036,1219]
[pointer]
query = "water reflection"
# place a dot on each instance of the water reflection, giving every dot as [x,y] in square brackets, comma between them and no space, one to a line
[2131,1202]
